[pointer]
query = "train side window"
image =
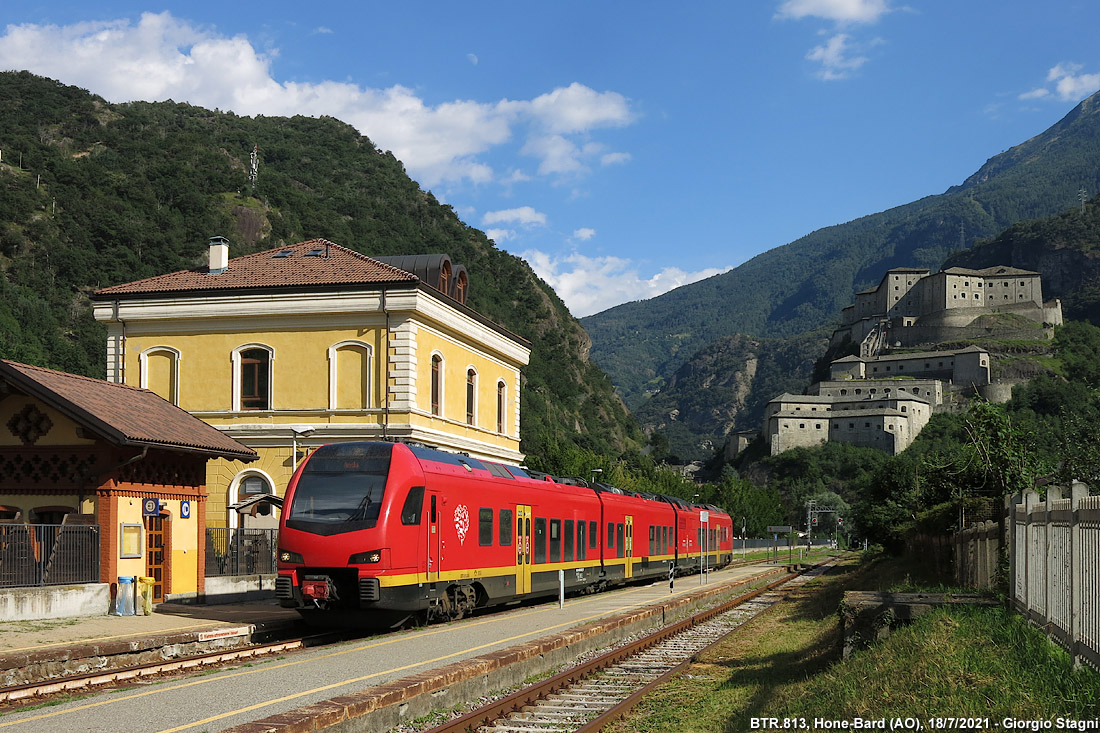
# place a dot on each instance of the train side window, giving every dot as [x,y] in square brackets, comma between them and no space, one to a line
[414,502]
[435,514]
[506,528]
[619,543]
[610,535]
[540,539]
[664,540]
[652,540]
[580,541]
[555,540]
[485,527]
[593,536]
[567,550]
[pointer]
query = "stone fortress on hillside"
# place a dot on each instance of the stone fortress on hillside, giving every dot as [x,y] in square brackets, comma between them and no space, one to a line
[882,398]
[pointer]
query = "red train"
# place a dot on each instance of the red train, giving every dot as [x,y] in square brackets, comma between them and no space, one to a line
[373,533]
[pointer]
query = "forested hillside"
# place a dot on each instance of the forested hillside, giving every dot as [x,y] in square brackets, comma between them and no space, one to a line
[96,194]
[725,387]
[1064,248]
[803,285]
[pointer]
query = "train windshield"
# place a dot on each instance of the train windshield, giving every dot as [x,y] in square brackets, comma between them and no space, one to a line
[341,488]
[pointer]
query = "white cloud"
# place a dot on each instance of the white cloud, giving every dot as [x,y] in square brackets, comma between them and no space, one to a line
[160,57]
[472,58]
[322,30]
[835,59]
[592,284]
[577,108]
[839,11]
[500,235]
[1068,85]
[584,234]
[1035,94]
[615,159]
[524,215]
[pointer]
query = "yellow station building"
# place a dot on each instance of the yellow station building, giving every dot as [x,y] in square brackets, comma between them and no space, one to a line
[313,343]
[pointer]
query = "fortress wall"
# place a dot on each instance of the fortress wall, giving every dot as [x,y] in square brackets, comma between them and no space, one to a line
[914,336]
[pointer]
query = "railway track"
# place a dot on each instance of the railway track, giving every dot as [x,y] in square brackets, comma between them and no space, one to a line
[589,697]
[34,691]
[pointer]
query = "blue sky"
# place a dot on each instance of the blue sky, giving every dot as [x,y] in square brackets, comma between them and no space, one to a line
[622,148]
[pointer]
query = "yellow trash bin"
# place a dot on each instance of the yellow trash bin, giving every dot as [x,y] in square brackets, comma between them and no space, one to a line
[145,593]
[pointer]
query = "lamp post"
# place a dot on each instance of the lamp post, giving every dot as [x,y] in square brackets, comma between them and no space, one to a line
[594,471]
[301,431]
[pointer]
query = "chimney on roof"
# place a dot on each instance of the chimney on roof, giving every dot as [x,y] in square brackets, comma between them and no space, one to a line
[219,255]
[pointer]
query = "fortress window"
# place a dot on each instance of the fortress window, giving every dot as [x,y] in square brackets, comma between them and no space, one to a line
[904,409]
[851,426]
[1006,297]
[1006,283]
[1021,284]
[916,390]
[866,424]
[843,392]
[817,426]
[801,426]
[978,295]
[859,391]
[966,284]
[979,284]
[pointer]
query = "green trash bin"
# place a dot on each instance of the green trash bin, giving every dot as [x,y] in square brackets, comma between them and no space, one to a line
[145,594]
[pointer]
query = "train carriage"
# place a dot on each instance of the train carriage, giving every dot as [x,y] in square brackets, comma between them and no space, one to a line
[373,533]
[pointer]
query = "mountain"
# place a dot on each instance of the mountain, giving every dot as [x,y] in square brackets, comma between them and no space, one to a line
[96,194]
[803,285]
[1065,249]
[725,387]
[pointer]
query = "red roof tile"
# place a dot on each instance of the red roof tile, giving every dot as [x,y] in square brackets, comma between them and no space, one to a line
[316,262]
[121,414]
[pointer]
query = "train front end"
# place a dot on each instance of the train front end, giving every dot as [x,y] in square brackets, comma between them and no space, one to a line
[349,534]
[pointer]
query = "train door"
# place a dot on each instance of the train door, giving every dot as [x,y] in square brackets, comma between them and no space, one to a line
[435,537]
[629,569]
[523,549]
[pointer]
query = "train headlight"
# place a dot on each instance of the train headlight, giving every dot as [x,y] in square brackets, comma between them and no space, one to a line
[366,558]
[288,556]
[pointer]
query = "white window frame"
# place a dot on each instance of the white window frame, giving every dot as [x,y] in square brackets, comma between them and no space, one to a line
[442,384]
[235,487]
[143,369]
[471,410]
[333,373]
[237,362]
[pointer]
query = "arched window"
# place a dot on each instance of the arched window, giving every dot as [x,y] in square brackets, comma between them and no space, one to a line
[445,278]
[253,484]
[471,396]
[252,377]
[437,384]
[349,365]
[461,284]
[502,405]
[159,372]
[246,484]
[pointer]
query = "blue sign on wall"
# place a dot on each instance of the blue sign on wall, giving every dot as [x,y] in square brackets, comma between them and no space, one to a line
[150,507]
[185,509]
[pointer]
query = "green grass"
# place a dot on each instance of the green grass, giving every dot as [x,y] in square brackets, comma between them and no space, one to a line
[963,661]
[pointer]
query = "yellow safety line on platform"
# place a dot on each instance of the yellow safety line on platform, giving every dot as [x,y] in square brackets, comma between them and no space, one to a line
[257,706]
